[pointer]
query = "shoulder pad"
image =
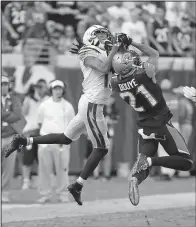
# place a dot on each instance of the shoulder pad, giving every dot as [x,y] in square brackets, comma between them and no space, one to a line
[88,48]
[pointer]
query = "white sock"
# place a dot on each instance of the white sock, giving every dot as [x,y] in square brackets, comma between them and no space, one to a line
[29,141]
[80,180]
[149,161]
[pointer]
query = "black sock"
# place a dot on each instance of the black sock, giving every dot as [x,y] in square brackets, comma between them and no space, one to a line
[173,162]
[93,161]
[141,176]
[52,138]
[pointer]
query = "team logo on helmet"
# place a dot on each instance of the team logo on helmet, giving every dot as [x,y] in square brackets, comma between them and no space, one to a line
[126,58]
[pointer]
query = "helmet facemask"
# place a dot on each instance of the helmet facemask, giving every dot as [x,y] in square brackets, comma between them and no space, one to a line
[99,36]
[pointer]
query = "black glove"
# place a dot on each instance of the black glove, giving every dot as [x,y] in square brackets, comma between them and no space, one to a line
[108,45]
[76,47]
[123,38]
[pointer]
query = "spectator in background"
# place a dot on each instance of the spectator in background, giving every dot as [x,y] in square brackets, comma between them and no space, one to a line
[7,29]
[159,4]
[64,13]
[88,21]
[173,11]
[36,17]
[41,90]
[135,28]
[15,15]
[118,11]
[55,31]
[54,115]
[115,25]
[12,123]
[182,37]
[190,8]
[146,17]
[66,42]
[26,75]
[36,94]
[159,33]
[150,7]
[12,84]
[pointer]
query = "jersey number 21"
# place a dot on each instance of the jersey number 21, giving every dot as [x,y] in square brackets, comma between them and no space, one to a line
[132,99]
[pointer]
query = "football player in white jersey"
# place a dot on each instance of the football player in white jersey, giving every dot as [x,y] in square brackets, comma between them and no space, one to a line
[96,63]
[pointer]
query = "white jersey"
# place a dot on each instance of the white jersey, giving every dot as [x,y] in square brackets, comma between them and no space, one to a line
[95,84]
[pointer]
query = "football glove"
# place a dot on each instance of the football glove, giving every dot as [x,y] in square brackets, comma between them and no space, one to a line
[76,47]
[108,45]
[123,38]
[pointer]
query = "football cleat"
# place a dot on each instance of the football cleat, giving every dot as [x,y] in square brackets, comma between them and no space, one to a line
[17,143]
[134,195]
[76,192]
[140,164]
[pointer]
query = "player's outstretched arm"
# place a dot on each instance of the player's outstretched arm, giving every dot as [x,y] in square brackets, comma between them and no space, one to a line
[97,64]
[149,51]
[151,64]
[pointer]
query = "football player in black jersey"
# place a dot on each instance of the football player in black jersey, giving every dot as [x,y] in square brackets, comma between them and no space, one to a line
[135,82]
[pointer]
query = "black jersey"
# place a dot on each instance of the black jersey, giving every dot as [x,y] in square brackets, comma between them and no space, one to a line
[141,93]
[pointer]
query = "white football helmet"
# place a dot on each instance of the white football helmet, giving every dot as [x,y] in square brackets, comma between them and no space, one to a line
[96,35]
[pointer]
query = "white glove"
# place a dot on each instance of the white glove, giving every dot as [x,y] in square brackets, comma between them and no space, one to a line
[190,93]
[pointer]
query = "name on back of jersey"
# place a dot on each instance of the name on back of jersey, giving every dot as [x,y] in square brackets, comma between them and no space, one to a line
[128,85]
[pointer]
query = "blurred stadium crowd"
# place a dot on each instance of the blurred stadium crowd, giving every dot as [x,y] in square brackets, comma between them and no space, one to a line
[59,22]
[33,29]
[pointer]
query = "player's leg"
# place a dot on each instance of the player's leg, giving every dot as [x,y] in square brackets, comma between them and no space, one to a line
[147,148]
[97,131]
[96,126]
[73,131]
[175,146]
[165,173]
